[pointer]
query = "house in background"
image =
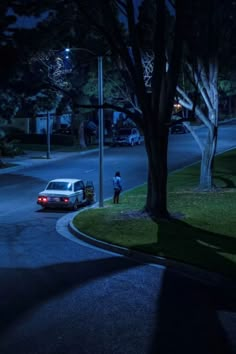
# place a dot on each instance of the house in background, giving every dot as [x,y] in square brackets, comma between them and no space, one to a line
[38,124]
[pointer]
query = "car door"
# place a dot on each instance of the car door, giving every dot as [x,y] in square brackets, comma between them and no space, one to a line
[79,191]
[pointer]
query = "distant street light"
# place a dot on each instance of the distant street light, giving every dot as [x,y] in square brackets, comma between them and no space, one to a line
[100,118]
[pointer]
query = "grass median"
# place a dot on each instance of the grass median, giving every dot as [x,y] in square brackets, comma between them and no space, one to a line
[204,236]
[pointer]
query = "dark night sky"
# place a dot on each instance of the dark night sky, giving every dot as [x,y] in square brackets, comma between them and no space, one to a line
[31,21]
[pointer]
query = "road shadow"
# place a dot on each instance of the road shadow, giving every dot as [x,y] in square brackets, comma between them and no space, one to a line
[54,210]
[188,314]
[190,318]
[198,244]
[227,183]
[23,289]
[60,210]
[226,164]
[224,168]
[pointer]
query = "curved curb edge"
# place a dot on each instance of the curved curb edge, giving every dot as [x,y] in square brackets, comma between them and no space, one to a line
[201,275]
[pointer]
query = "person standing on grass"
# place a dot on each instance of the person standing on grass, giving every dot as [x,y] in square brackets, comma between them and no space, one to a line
[117,187]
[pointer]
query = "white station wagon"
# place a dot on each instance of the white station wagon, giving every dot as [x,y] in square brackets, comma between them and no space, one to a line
[66,193]
[128,136]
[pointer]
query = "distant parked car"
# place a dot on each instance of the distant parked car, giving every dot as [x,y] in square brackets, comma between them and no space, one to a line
[66,193]
[128,136]
[63,131]
[179,128]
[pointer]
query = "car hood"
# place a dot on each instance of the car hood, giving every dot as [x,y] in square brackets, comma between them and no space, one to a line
[56,193]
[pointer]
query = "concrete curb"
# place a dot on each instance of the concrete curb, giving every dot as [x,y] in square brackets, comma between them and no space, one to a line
[201,275]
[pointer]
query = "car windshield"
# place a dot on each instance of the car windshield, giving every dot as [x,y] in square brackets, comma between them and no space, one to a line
[63,186]
[124,131]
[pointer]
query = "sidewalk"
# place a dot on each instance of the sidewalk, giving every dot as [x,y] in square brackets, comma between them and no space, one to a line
[37,158]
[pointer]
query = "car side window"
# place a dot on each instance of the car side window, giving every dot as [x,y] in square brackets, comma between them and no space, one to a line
[81,185]
[77,186]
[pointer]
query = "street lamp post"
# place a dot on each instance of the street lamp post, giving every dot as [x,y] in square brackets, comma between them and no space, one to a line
[100,120]
[101,128]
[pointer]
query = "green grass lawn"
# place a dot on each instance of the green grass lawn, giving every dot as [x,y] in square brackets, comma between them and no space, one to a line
[205,235]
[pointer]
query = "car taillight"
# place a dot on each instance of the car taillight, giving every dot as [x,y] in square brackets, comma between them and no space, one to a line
[65,199]
[42,199]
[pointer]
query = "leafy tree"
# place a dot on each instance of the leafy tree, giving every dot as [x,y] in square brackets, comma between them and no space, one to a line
[208,46]
[113,25]
[155,107]
[82,77]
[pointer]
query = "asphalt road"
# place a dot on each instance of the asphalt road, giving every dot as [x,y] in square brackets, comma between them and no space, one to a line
[63,297]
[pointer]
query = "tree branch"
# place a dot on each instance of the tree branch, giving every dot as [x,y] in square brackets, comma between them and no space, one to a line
[201,87]
[204,78]
[195,136]
[137,69]
[121,5]
[186,101]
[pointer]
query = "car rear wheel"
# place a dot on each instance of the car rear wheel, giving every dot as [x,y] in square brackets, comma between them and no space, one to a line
[75,205]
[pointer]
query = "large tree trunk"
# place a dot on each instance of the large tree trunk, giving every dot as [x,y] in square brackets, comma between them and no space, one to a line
[157,114]
[157,148]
